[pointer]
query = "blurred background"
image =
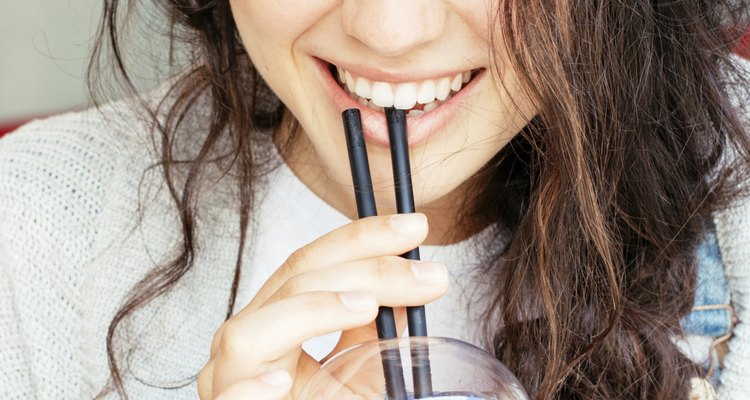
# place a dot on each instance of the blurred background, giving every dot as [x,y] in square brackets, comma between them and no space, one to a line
[43,50]
[44,46]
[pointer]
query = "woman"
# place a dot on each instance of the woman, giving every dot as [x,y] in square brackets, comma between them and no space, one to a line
[576,163]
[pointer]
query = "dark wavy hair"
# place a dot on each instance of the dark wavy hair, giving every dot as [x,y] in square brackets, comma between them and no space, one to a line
[606,193]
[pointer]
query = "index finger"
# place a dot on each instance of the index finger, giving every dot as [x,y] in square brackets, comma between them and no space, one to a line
[362,239]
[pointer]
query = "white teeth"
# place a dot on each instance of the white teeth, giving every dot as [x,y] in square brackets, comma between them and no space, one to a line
[349,81]
[382,94]
[363,88]
[426,93]
[443,89]
[456,82]
[376,95]
[405,96]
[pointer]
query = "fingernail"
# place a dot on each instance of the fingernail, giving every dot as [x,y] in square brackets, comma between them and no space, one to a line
[429,272]
[277,378]
[358,301]
[408,223]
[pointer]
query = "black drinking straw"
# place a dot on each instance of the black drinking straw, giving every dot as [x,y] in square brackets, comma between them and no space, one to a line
[365,198]
[405,204]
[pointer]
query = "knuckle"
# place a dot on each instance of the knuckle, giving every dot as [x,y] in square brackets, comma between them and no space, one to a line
[293,285]
[360,230]
[217,339]
[295,262]
[233,340]
[382,269]
[322,301]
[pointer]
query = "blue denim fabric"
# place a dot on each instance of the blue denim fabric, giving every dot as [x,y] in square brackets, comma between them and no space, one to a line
[712,289]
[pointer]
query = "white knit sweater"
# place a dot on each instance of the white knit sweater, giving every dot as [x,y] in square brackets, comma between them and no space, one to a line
[71,247]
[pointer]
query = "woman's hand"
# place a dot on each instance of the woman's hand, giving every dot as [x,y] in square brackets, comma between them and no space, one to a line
[333,284]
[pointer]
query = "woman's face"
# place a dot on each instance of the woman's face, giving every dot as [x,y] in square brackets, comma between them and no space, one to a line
[432,57]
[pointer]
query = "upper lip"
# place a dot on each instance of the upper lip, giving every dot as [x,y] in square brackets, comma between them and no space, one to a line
[385,74]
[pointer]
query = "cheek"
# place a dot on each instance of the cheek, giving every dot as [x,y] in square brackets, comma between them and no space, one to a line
[269,30]
[276,23]
[262,39]
[479,15]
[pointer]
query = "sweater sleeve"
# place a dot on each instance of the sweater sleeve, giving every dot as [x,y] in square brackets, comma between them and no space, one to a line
[733,230]
[15,368]
[53,176]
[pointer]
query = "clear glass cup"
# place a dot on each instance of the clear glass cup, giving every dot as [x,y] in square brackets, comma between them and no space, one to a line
[456,370]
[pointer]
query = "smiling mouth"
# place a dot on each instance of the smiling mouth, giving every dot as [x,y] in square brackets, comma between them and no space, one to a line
[417,98]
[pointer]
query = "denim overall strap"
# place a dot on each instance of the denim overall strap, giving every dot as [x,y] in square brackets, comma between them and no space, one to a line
[712,314]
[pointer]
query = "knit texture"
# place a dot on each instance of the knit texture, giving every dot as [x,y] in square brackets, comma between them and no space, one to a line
[83,216]
[75,241]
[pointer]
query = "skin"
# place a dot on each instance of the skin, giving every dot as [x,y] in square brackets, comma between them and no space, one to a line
[433,36]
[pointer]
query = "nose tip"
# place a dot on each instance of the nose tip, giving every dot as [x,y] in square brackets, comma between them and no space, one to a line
[392,27]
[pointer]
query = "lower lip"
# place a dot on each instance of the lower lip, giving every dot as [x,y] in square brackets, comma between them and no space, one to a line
[420,128]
